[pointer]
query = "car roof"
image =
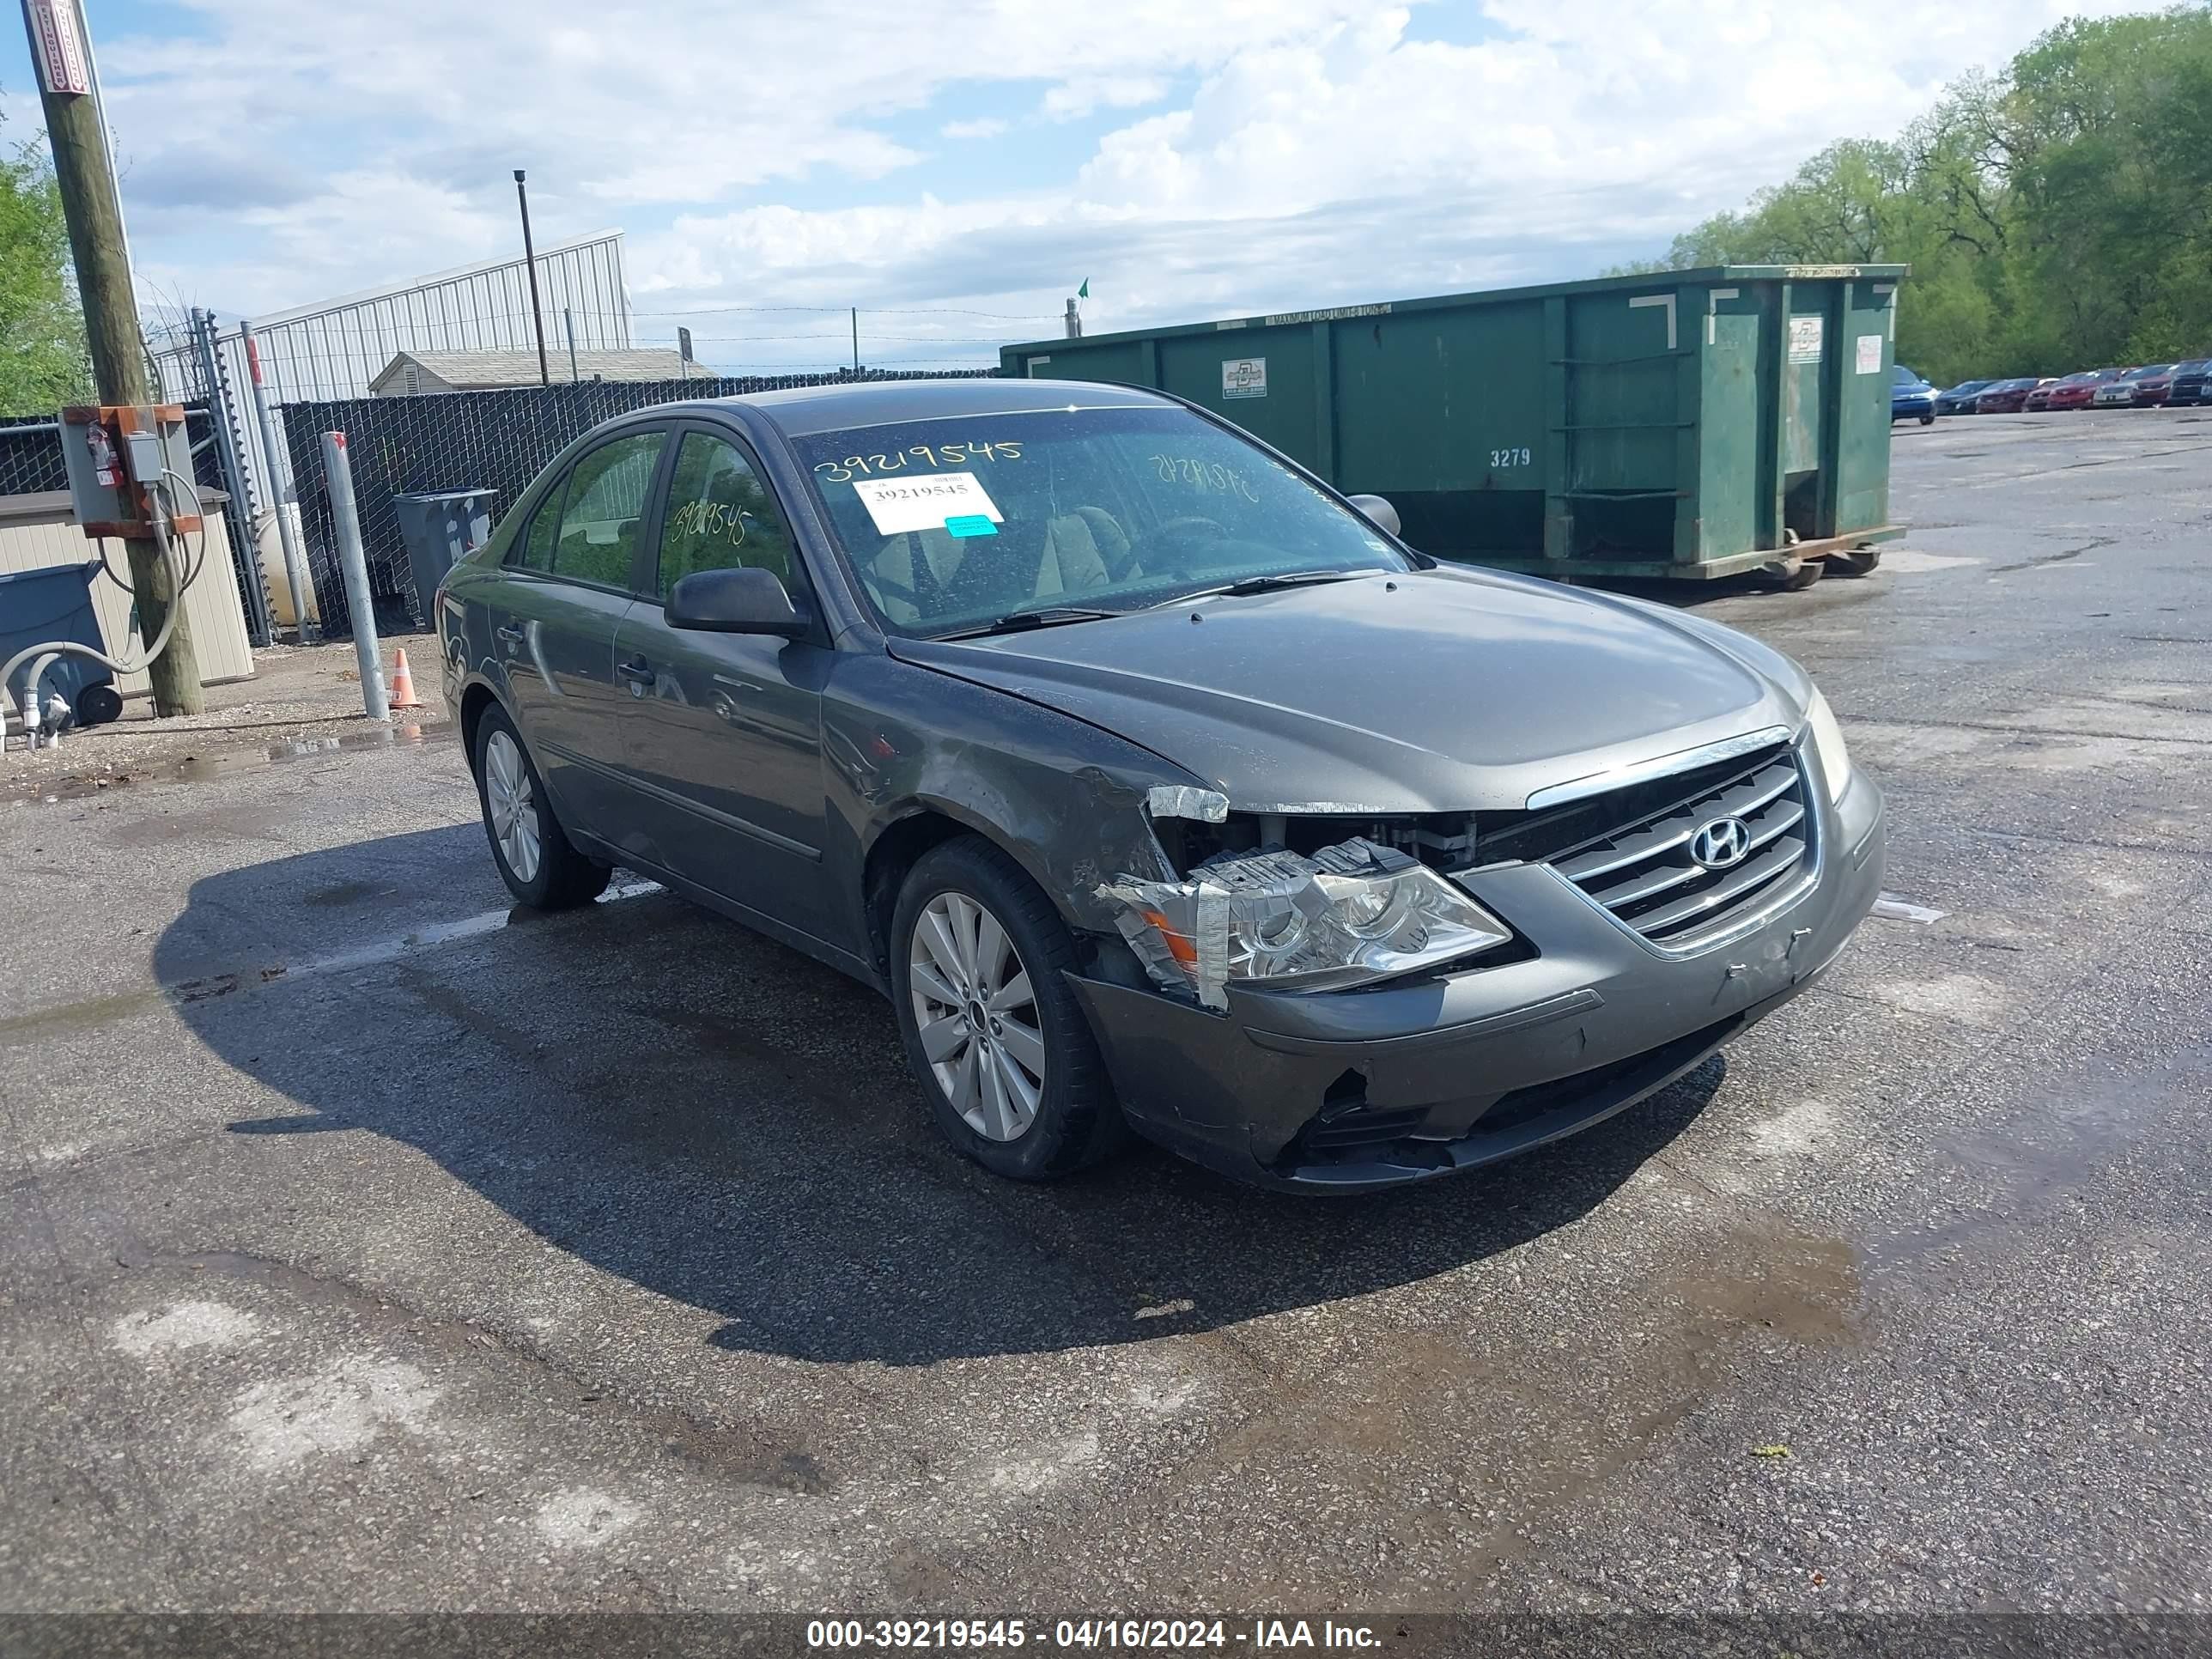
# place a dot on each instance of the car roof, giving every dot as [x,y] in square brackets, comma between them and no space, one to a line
[802,411]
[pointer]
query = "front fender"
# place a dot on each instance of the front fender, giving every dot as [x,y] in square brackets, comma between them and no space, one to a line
[1065,800]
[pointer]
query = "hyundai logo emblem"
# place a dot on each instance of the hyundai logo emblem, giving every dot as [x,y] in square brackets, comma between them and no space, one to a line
[1722,842]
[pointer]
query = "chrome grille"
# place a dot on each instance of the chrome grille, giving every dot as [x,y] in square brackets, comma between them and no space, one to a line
[1644,872]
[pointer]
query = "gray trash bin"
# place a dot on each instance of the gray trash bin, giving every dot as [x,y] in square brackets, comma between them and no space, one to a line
[438,528]
[55,603]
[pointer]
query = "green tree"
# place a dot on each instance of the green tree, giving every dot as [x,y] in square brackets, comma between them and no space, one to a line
[43,363]
[2056,215]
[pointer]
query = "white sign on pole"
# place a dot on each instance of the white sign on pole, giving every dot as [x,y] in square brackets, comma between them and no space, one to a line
[58,48]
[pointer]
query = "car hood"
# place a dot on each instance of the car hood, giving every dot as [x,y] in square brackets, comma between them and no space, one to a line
[1440,690]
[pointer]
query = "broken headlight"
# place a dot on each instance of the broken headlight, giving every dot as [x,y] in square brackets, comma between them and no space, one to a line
[1280,921]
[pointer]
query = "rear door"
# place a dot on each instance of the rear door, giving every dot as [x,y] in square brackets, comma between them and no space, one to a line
[722,733]
[554,636]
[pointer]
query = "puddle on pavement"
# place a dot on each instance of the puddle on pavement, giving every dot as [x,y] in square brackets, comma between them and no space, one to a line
[377,951]
[2089,1123]
[203,769]
[98,1010]
[1525,1429]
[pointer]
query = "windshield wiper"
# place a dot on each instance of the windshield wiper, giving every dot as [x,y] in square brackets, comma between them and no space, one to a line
[1016,622]
[1271,584]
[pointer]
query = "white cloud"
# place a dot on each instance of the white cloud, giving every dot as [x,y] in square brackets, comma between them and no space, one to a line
[1073,100]
[1274,151]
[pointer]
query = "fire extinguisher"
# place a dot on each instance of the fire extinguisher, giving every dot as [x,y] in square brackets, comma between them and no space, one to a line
[104,465]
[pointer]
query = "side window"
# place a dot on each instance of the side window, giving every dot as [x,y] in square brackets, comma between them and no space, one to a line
[533,549]
[720,516]
[606,497]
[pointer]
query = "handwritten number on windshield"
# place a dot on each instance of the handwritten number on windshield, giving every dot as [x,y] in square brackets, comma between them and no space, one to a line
[1209,476]
[960,454]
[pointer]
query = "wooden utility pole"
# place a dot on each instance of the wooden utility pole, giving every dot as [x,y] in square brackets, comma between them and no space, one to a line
[111,327]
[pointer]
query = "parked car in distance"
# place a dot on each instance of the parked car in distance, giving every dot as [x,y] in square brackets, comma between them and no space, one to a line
[2155,386]
[2007,397]
[2190,381]
[2120,392]
[1911,398]
[2075,390]
[1959,399]
[2039,399]
[1153,782]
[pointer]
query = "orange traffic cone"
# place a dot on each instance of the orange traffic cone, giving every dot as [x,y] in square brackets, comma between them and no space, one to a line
[402,685]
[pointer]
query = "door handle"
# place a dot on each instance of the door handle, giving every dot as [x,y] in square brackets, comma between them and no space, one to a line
[637,670]
[512,634]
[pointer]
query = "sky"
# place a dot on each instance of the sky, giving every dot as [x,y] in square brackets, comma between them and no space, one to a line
[955,170]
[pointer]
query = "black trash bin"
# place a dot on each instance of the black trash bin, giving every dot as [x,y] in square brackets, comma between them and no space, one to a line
[438,528]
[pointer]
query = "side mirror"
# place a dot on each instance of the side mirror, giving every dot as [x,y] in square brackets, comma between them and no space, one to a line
[1377,511]
[740,601]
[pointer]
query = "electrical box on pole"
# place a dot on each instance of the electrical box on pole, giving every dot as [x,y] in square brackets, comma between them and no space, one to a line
[115,455]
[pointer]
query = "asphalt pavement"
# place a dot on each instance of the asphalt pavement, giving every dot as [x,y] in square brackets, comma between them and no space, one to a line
[367,1248]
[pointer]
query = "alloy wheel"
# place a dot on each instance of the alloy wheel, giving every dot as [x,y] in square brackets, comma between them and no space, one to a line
[977,1015]
[513,805]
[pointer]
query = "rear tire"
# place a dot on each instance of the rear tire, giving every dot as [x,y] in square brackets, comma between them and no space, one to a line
[539,864]
[995,1036]
[1927,420]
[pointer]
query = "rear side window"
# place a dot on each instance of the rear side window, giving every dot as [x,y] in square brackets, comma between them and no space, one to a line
[533,549]
[606,497]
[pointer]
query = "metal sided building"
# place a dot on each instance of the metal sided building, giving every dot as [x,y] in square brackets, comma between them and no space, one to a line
[1678,424]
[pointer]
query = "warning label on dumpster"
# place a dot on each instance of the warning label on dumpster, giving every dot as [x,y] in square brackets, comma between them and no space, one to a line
[1869,354]
[1243,377]
[1804,339]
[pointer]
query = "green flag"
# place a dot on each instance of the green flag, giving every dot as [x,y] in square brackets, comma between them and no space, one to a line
[1084,293]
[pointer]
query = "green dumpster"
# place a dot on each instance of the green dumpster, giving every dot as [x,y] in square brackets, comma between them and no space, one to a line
[1689,423]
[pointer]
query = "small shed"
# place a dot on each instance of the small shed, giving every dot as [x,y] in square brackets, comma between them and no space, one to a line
[415,373]
[40,529]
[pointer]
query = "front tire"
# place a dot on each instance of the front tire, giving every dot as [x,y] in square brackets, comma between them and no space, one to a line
[995,1035]
[539,864]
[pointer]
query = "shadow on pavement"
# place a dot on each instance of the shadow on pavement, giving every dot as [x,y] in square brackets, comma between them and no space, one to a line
[723,1122]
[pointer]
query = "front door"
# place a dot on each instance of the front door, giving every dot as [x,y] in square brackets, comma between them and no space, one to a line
[722,732]
[553,634]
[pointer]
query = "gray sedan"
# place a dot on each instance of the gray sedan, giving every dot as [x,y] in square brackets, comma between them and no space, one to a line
[1158,786]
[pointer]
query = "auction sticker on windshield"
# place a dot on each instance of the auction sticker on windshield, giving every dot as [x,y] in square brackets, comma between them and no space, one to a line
[924,502]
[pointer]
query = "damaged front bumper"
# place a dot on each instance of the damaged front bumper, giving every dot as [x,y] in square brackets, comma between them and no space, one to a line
[1352,1090]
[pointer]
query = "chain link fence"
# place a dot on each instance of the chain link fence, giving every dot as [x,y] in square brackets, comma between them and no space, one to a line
[30,456]
[495,440]
[31,453]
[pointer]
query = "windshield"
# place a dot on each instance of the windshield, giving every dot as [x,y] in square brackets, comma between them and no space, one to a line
[950,525]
